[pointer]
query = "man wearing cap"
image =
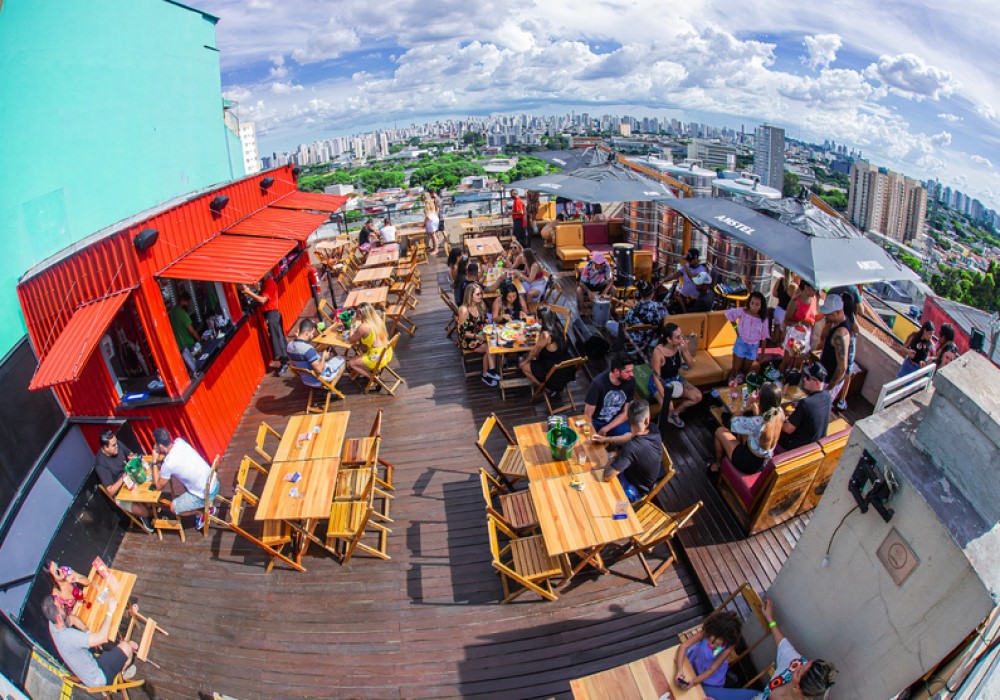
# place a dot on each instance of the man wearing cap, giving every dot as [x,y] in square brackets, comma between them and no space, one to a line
[519,215]
[705,298]
[811,417]
[687,273]
[596,278]
[835,355]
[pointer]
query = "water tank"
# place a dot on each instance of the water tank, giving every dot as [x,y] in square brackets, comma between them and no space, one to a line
[735,262]
[642,223]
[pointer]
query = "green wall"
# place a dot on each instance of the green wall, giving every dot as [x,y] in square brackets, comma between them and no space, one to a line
[107,108]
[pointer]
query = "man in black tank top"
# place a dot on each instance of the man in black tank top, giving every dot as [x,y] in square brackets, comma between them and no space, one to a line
[834,356]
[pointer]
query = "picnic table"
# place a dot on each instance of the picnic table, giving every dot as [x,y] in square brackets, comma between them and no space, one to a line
[576,515]
[92,609]
[385,255]
[647,678]
[373,275]
[377,296]
[485,247]
[533,440]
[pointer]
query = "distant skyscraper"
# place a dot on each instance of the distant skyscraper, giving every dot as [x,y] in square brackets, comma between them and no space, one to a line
[886,202]
[769,156]
[248,137]
[712,153]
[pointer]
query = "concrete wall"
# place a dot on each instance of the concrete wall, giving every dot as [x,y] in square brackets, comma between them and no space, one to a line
[881,361]
[109,107]
[881,636]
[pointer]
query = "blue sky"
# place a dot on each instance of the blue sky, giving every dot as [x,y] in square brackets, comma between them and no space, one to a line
[911,84]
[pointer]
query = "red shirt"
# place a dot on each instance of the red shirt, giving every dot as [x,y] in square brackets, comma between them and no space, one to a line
[270,290]
[518,210]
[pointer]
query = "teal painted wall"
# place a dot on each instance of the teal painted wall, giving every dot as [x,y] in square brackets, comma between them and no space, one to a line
[109,107]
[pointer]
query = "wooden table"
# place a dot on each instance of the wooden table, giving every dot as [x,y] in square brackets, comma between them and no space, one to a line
[376,296]
[333,337]
[331,245]
[381,256]
[326,443]
[789,395]
[647,678]
[142,493]
[485,247]
[580,520]
[119,585]
[519,346]
[373,275]
[533,440]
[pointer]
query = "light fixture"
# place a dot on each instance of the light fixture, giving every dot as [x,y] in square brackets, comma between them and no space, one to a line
[266,183]
[219,203]
[145,239]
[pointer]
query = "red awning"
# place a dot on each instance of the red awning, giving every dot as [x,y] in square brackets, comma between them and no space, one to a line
[226,258]
[74,346]
[311,200]
[279,223]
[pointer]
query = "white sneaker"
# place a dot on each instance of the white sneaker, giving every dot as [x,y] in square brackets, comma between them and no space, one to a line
[129,673]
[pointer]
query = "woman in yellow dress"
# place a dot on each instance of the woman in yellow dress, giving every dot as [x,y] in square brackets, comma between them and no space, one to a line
[372,336]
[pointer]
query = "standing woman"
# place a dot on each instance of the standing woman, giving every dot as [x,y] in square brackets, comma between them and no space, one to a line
[752,331]
[431,221]
[784,289]
[372,335]
[533,276]
[946,339]
[549,350]
[470,322]
[800,316]
[918,349]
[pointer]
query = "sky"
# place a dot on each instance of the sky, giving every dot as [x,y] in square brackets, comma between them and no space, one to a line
[912,85]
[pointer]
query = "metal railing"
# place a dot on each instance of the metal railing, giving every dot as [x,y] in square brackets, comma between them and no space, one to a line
[899,389]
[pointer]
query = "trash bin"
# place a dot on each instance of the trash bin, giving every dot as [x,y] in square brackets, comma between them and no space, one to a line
[602,312]
[561,443]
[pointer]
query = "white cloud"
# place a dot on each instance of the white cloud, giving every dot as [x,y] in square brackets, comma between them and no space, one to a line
[949,117]
[279,88]
[986,111]
[981,160]
[822,50]
[910,77]
[942,139]
[329,42]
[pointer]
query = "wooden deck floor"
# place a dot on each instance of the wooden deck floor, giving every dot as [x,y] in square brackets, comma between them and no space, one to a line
[427,623]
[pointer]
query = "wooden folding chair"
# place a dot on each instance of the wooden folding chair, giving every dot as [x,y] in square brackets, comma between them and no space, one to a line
[397,314]
[517,510]
[551,293]
[131,516]
[658,527]
[326,312]
[350,520]
[210,501]
[260,444]
[667,473]
[376,375]
[542,389]
[355,454]
[450,327]
[510,466]
[119,685]
[276,534]
[562,312]
[328,387]
[352,482]
[149,629]
[524,561]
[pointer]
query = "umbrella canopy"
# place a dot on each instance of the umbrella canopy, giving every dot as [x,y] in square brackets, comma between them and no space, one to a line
[825,256]
[605,182]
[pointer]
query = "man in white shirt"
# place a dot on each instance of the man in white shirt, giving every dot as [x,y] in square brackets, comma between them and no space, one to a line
[73,641]
[387,232]
[179,459]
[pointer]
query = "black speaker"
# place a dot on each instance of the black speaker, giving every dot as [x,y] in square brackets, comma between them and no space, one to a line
[589,340]
[977,340]
[623,264]
[145,239]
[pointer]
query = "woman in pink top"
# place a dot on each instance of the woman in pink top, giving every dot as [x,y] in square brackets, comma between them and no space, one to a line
[799,320]
[751,332]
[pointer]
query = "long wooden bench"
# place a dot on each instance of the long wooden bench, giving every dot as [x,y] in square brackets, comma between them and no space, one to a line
[791,483]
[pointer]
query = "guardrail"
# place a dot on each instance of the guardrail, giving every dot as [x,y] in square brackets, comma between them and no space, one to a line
[899,389]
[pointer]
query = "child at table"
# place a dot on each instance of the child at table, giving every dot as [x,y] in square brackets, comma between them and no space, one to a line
[708,650]
[751,332]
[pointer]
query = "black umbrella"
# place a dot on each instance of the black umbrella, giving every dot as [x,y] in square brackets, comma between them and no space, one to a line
[605,182]
[825,253]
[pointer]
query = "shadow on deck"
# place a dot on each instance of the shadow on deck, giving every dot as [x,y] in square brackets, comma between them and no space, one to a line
[427,622]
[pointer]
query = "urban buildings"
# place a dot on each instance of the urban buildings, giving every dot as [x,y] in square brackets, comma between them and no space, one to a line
[248,137]
[769,156]
[886,202]
[713,153]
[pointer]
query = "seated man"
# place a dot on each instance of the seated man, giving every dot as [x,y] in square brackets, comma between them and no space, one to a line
[812,414]
[608,397]
[73,641]
[110,465]
[596,278]
[637,464]
[178,458]
[303,355]
[704,300]
[647,312]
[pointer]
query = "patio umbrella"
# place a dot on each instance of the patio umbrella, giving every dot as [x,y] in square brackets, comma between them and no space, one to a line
[604,182]
[825,253]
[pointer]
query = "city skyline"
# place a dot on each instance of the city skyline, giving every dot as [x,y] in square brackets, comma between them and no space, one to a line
[884,79]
